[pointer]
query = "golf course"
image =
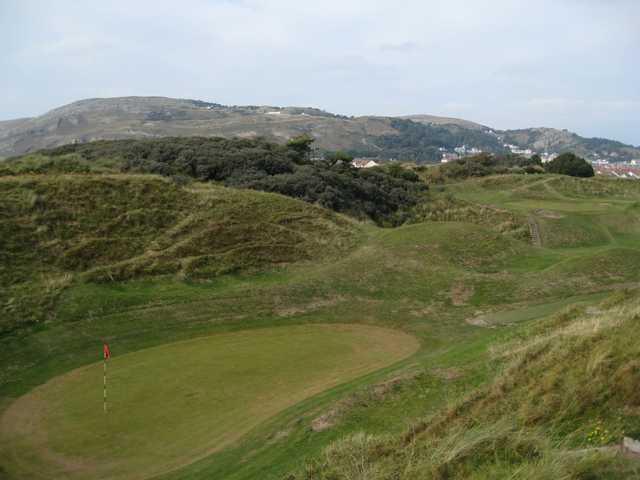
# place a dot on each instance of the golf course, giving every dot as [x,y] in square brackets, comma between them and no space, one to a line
[340,240]
[254,335]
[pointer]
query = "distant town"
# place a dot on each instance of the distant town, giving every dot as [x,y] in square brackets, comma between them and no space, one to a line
[619,169]
[628,170]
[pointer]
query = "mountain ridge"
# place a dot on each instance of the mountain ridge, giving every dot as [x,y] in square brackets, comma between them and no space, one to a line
[422,140]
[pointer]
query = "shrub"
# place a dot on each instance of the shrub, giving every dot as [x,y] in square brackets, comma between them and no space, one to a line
[570,164]
[482,165]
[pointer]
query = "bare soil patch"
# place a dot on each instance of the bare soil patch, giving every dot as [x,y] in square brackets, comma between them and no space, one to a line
[461,294]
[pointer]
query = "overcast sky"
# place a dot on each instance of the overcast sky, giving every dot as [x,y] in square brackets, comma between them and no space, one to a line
[505,63]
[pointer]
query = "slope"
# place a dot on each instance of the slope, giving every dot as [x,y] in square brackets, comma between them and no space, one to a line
[565,388]
[58,229]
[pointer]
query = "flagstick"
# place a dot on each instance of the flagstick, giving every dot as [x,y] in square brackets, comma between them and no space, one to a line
[104,403]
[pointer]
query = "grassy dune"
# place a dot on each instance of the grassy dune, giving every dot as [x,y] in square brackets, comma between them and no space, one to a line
[56,229]
[566,391]
[464,281]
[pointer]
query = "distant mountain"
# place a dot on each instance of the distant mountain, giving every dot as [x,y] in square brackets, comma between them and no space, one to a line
[421,138]
[553,140]
[435,120]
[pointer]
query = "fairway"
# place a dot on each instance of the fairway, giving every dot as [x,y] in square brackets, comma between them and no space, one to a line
[173,404]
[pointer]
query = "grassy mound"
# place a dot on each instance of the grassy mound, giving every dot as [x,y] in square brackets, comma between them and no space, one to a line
[596,187]
[443,208]
[552,187]
[566,387]
[120,227]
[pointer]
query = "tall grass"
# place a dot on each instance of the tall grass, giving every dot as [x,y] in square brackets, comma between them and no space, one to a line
[556,381]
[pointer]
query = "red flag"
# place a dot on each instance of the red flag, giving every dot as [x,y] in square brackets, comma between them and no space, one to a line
[106,352]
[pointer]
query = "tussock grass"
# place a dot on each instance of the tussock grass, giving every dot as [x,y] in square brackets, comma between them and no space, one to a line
[121,227]
[444,208]
[557,380]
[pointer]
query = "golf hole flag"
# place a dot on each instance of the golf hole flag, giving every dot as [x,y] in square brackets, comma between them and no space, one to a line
[106,353]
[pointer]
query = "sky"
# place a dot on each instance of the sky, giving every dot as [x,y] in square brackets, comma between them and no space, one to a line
[571,64]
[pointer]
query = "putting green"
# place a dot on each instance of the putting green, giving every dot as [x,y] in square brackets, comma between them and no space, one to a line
[173,404]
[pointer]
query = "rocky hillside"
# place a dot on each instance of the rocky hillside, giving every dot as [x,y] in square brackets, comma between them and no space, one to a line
[419,138]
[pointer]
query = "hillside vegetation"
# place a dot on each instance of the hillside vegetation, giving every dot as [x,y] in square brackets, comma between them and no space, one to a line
[55,229]
[481,165]
[420,142]
[382,195]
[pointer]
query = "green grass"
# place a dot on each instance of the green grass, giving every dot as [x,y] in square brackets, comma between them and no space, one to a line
[172,404]
[430,279]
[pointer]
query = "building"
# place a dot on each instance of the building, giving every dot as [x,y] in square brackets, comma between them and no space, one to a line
[449,157]
[364,163]
[547,157]
[620,169]
[525,152]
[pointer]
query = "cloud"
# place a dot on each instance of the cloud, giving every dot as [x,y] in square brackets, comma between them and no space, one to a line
[581,104]
[402,47]
[458,107]
[500,62]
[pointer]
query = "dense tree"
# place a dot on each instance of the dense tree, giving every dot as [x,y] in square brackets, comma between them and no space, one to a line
[420,143]
[570,164]
[338,158]
[385,195]
[301,145]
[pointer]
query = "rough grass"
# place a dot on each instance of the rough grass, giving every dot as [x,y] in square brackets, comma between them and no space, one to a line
[119,227]
[560,382]
[444,208]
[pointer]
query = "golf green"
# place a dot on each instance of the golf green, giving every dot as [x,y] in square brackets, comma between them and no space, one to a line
[173,404]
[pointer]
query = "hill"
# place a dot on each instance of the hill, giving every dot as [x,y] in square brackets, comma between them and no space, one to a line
[385,137]
[553,140]
[461,344]
[435,120]
[117,227]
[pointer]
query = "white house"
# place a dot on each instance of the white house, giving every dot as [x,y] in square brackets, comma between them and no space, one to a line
[364,163]
[448,157]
